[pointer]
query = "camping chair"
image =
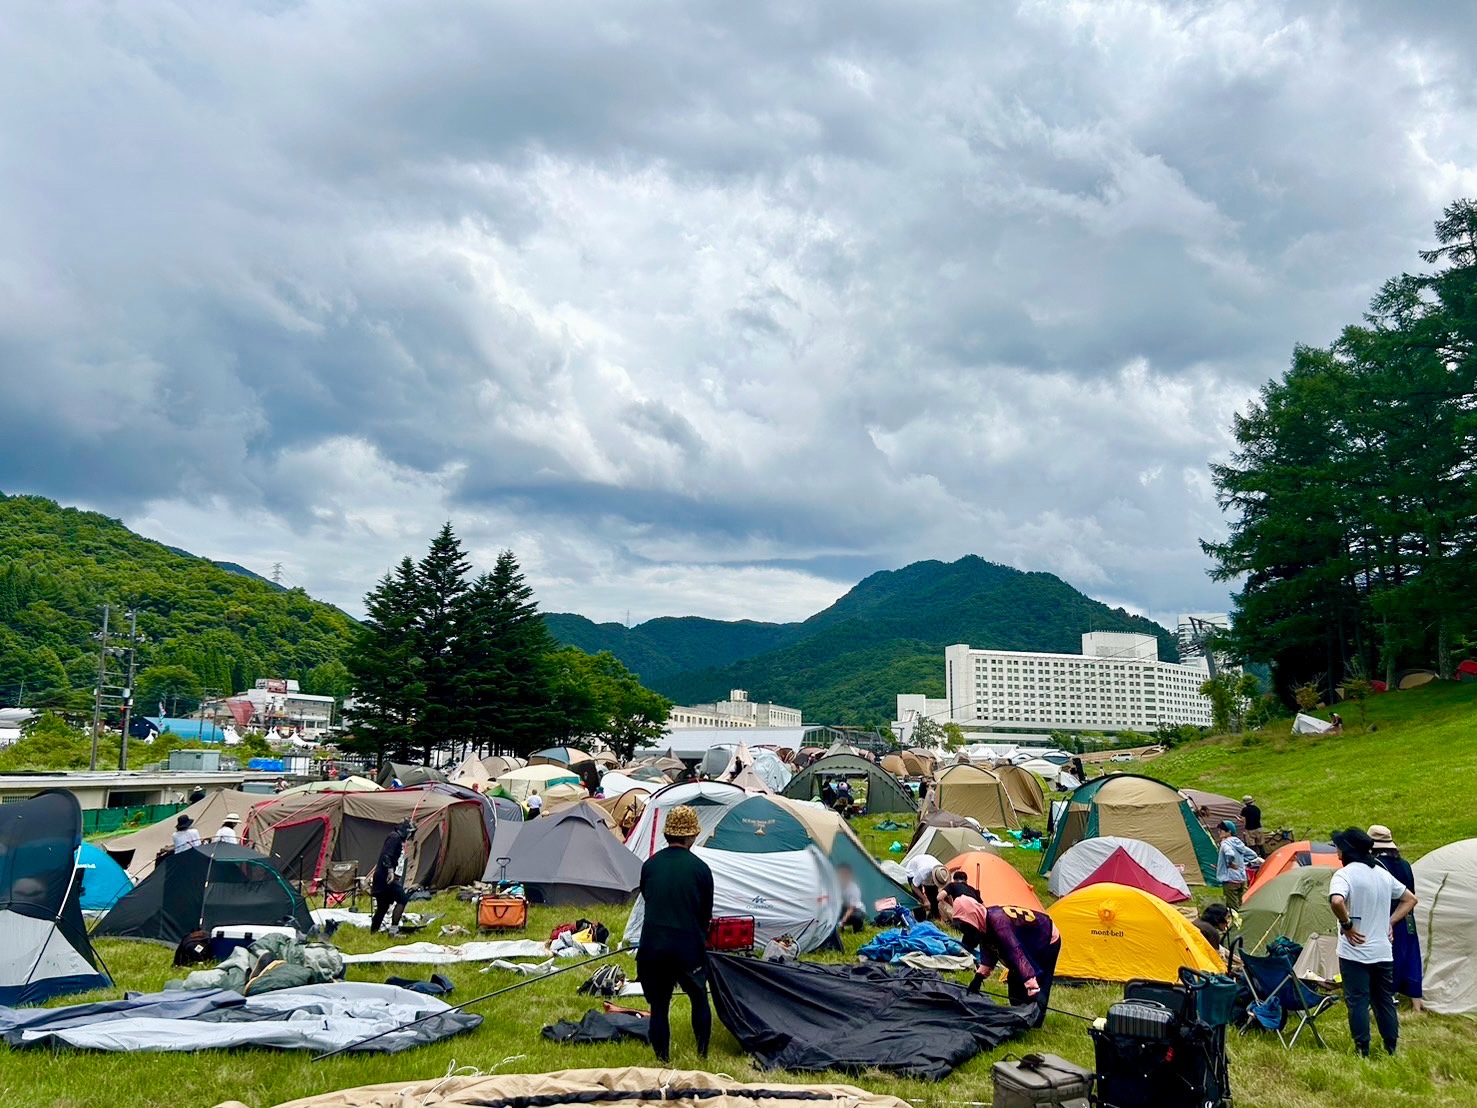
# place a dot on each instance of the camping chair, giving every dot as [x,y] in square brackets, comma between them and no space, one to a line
[1277,993]
[341,881]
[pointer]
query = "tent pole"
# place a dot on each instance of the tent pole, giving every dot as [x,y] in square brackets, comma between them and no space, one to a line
[469,1003]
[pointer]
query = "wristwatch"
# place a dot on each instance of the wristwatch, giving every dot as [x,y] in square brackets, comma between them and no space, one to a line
[1346,925]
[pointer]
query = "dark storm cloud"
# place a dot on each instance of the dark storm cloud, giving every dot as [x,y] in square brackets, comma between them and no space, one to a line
[695,304]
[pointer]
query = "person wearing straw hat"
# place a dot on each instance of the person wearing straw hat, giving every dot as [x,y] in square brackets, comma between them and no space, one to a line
[927,875]
[227,833]
[1406,941]
[677,888]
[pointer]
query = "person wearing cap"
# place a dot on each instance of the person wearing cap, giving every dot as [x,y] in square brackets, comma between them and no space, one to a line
[227,832]
[1361,895]
[677,890]
[185,835]
[1406,941]
[387,886]
[1232,858]
[1025,939]
[927,875]
[1251,819]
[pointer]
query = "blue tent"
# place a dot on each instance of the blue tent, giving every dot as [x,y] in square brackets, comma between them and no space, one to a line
[187,729]
[103,880]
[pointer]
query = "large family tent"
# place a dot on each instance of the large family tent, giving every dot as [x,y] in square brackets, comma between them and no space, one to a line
[1294,904]
[1111,860]
[499,764]
[304,833]
[351,784]
[393,775]
[136,852]
[1290,856]
[102,880]
[787,892]
[998,882]
[1118,933]
[1024,790]
[976,793]
[770,824]
[711,800]
[203,888]
[1446,920]
[45,951]
[1211,809]
[884,793]
[1129,806]
[551,782]
[947,842]
[574,858]
[734,765]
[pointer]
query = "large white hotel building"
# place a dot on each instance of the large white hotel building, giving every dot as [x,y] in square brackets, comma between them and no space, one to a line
[1117,683]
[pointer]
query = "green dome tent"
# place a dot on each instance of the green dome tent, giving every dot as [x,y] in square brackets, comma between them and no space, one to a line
[884,792]
[1294,904]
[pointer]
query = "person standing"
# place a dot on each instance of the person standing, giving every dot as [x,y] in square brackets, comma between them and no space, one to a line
[1232,858]
[677,890]
[387,887]
[1361,895]
[1406,940]
[185,836]
[1251,819]
[1025,939]
[535,805]
[853,907]
[227,832]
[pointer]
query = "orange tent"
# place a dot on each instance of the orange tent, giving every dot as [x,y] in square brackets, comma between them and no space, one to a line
[997,880]
[1285,857]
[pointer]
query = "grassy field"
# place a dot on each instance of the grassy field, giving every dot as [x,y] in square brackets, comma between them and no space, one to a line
[1407,774]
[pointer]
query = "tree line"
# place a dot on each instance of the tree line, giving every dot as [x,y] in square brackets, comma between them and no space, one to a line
[1352,488]
[444,659]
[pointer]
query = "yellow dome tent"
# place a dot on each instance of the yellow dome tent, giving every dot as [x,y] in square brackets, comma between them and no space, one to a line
[1117,933]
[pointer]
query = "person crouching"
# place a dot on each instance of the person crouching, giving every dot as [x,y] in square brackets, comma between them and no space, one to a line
[1025,939]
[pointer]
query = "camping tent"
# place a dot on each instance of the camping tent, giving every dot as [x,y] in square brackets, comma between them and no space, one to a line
[977,793]
[1414,678]
[498,764]
[1024,790]
[1291,855]
[1121,862]
[624,809]
[572,858]
[998,882]
[558,756]
[735,766]
[1446,920]
[768,767]
[947,842]
[520,784]
[101,879]
[792,892]
[1466,670]
[303,833]
[45,952]
[509,822]
[211,885]
[351,784]
[615,782]
[1294,904]
[884,792]
[1304,724]
[894,764]
[1117,933]
[1211,808]
[393,774]
[136,852]
[710,799]
[767,824]
[1133,807]
[471,771]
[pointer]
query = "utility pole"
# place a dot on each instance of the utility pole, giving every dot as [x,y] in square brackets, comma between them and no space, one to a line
[128,690]
[97,693]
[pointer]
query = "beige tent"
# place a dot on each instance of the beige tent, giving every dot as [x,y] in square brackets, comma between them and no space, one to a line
[351,784]
[1024,790]
[497,764]
[633,1087]
[1134,807]
[1446,921]
[977,793]
[303,833]
[520,784]
[136,852]
[472,771]
[948,842]
[625,809]
[894,764]
[1211,808]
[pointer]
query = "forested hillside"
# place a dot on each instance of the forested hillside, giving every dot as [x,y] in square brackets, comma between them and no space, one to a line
[58,566]
[846,664]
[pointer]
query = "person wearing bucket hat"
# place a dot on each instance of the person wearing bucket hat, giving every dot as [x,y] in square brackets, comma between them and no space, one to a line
[185,836]
[1361,895]
[677,890]
[227,833]
[1232,858]
[1406,941]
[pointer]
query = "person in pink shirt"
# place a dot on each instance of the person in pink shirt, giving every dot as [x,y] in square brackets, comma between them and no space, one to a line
[1024,939]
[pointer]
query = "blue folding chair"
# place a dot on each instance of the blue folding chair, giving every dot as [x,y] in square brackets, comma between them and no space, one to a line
[1277,995]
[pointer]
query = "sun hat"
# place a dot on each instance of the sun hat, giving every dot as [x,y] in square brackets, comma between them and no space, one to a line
[183,823]
[1246,800]
[1353,841]
[1383,840]
[939,876]
[231,817]
[681,822]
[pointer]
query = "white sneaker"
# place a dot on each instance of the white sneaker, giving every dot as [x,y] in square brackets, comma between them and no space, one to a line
[393,931]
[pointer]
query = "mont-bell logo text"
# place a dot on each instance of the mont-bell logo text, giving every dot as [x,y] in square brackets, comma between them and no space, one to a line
[1107,933]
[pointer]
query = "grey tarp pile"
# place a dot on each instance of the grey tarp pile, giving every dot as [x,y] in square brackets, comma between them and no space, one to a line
[272,962]
[312,1017]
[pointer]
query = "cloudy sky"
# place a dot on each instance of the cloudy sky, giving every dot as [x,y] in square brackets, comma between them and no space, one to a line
[700,307]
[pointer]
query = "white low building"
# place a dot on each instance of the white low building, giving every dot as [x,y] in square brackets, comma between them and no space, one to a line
[1117,683]
[737,711]
[279,703]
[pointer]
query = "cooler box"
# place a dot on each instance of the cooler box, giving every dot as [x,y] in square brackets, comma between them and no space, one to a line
[1040,1081]
[224,940]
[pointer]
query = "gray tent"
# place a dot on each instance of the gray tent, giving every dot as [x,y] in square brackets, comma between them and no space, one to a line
[409,776]
[505,834]
[884,792]
[574,858]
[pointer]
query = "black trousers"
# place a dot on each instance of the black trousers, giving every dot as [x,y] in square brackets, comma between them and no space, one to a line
[1366,984]
[384,897]
[1045,975]
[661,972]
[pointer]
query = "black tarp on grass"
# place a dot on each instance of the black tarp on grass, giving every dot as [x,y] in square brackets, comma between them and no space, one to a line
[806,1016]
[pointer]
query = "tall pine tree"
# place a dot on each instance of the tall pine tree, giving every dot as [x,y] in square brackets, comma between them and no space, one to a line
[442,580]
[386,668]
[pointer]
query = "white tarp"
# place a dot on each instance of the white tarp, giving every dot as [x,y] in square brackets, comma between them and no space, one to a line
[788,892]
[709,799]
[438,954]
[1303,724]
[1446,921]
[1082,861]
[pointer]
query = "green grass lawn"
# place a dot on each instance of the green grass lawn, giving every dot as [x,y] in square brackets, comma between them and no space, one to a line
[1409,774]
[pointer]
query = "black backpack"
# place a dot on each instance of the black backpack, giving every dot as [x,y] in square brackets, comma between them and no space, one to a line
[193,949]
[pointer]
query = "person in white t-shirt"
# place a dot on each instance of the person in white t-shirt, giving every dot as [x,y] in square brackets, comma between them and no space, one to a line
[853,907]
[185,835]
[227,833]
[535,806]
[1361,895]
[927,875]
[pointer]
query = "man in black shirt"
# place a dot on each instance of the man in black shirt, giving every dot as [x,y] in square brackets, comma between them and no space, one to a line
[677,888]
[1251,816]
[388,885]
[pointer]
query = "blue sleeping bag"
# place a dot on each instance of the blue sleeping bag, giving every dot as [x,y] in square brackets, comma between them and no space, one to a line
[925,938]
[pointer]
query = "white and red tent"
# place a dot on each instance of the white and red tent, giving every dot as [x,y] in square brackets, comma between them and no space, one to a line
[1121,862]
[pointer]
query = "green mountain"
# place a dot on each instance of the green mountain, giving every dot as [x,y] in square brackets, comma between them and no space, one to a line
[847,663]
[58,566]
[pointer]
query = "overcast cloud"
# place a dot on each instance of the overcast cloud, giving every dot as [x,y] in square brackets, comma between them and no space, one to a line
[700,307]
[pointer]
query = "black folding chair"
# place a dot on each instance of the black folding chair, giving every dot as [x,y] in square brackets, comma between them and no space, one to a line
[1271,977]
